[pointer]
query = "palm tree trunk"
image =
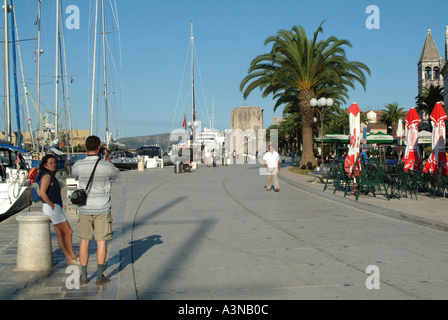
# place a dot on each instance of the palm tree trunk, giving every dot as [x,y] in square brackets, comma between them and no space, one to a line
[307,113]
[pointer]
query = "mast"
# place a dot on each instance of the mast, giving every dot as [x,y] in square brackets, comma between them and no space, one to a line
[38,74]
[25,88]
[192,74]
[6,9]
[56,72]
[68,93]
[105,75]
[18,142]
[94,63]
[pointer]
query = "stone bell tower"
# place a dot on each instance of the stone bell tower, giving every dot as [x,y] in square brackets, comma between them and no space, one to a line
[430,67]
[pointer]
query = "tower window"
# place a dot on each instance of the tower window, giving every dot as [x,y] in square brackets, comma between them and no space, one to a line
[436,73]
[427,73]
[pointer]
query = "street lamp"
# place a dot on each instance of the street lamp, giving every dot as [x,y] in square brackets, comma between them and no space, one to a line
[322,102]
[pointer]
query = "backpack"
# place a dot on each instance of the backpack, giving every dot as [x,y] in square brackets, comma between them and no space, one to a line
[35,190]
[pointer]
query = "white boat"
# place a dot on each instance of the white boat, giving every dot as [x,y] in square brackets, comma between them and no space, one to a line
[123,160]
[13,169]
[150,155]
[14,180]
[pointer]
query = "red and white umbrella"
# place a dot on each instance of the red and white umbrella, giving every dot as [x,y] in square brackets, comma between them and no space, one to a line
[412,158]
[437,160]
[355,128]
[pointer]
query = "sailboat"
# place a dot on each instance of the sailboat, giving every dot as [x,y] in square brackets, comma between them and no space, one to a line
[14,175]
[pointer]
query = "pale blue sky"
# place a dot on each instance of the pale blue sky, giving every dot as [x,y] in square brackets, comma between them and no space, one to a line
[155,39]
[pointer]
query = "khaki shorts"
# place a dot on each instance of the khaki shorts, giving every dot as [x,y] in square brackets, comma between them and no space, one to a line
[100,224]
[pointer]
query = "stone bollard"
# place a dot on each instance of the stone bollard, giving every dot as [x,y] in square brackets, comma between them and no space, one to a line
[141,166]
[34,251]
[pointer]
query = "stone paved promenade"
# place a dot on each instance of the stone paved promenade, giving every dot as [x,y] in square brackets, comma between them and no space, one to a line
[215,233]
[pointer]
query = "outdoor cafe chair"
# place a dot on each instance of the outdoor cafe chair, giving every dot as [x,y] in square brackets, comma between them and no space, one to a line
[342,179]
[371,178]
[438,184]
[411,183]
[334,172]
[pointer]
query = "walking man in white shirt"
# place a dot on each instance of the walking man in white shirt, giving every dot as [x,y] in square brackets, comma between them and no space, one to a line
[272,164]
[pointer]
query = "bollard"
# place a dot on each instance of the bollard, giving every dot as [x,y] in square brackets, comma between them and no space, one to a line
[34,250]
[141,166]
[178,168]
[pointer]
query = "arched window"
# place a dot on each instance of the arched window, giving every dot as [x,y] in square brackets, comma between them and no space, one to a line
[436,73]
[427,73]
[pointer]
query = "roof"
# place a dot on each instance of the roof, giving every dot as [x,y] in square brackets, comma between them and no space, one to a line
[7,146]
[429,51]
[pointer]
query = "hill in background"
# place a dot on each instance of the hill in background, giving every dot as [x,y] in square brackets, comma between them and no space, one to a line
[162,140]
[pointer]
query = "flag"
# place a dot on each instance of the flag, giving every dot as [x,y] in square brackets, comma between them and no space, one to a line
[185,121]
[71,80]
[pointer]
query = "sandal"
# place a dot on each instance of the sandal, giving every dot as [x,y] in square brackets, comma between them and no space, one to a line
[74,262]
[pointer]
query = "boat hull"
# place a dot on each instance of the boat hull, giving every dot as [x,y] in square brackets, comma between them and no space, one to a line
[126,166]
[13,199]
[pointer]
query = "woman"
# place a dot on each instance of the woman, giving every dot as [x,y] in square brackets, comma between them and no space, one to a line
[50,193]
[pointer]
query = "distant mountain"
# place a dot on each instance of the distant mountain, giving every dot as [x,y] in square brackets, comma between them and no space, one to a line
[162,140]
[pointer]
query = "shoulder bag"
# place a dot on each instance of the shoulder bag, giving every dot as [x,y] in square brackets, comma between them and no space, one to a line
[79,196]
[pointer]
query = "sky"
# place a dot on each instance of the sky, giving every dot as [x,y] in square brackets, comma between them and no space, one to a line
[151,63]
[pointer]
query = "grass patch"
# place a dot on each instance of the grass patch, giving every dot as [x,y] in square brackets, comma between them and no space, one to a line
[301,171]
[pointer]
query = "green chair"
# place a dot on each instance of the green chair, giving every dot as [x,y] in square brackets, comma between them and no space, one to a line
[334,173]
[372,178]
[438,183]
[412,183]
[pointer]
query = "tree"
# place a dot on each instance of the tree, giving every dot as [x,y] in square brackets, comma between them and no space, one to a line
[390,116]
[426,100]
[300,68]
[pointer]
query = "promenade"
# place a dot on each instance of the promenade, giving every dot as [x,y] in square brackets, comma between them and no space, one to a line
[215,233]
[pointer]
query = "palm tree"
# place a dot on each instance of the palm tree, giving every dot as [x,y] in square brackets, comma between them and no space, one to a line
[300,68]
[426,100]
[390,116]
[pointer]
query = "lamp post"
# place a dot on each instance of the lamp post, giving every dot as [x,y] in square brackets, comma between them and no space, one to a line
[322,102]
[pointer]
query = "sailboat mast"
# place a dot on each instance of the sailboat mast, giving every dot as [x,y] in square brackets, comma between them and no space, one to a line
[38,72]
[105,75]
[6,9]
[93,70]
[56,72]
[192,74]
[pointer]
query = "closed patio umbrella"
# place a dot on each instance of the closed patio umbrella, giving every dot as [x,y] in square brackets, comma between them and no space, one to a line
[355,128]
[437,160]
[412,158]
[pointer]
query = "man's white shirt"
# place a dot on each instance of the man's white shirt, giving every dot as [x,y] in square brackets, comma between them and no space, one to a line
[271,159]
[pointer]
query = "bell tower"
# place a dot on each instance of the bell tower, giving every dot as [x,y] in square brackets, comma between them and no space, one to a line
[430,67]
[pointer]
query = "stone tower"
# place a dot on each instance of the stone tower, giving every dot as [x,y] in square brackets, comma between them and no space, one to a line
[430,67]
[245,119]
